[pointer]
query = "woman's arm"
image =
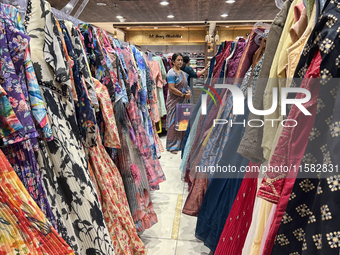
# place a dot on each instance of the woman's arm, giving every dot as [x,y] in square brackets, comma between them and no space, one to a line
[173,90]
[203,70]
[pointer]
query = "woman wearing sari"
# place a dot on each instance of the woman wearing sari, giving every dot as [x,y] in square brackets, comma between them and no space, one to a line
[178,93]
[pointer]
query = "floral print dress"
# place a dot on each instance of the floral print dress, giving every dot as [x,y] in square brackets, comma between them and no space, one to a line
[62,161]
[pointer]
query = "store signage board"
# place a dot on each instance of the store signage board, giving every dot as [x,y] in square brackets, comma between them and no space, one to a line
[164,36]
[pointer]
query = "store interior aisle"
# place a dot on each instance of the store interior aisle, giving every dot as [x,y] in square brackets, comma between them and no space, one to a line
[174,234]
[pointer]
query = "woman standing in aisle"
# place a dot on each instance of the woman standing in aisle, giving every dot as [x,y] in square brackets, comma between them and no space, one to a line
[178,94]
[190,71]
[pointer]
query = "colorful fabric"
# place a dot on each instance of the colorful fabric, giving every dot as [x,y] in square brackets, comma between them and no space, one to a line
[111,136]
[9,122]
[13,46]
[23,227]
[114,202]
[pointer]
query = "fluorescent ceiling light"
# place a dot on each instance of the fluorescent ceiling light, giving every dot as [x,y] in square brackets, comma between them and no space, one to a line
[164,3]
[119,17]
[171,16]
[224,15]
[101,4]
[230,1]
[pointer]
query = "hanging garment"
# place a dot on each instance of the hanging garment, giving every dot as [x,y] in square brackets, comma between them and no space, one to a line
[133,173]
[115,206]
[238,223]
[255,220]
[289,152]
[250,146]
[277,80]
[62,161]
[24,228]
[36,102]
[20,149]
[222,190]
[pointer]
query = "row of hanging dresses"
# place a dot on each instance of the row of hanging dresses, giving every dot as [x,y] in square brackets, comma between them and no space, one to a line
[210,223]
[302,220]
[60,133]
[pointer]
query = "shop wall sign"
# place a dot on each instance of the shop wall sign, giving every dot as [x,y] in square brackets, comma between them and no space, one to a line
[165,36]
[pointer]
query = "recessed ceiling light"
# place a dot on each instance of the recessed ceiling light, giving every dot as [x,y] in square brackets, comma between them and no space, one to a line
[171,16]
[101,4]
[230,1]
[119,17]
[155,27]
[164,3]
[227,26]
[224,15]
[128,27]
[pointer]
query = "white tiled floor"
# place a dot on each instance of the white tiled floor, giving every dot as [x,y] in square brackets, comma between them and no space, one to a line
[158,239]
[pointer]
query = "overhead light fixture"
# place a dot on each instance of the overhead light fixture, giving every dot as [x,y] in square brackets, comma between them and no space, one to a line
[183,27]
[164,3]
[171,16]
[224,15]
[128,27]
[230,1]
[101,4]
[122,20]
[155,27]
[119,17]
[227,26]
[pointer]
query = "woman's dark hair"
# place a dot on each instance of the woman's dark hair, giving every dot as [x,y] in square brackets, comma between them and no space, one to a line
[175,55]
[186,59]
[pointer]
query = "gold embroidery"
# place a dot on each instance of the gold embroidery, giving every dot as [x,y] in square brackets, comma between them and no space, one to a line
[286,218]
[292,196]
[325,213]
[334,92]
[331,20]
[282,239]
[299,234]
[329,120]
[318,241]
[304,245]
[303,210]
[294,253]
[319,190]
[309,159]
[334,182]
[302,71]
[320,105]
[314,134]
[325,76]
[306,185]
[335,129]
[312,219]
[327,46]
[334,239]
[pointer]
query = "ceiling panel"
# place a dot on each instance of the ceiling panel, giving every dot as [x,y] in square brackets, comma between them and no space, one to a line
[183,10]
